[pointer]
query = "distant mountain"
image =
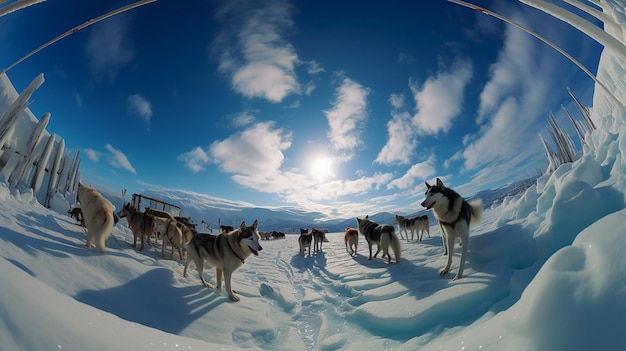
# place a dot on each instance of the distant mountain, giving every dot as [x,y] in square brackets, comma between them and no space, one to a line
[216,211]
[495,196]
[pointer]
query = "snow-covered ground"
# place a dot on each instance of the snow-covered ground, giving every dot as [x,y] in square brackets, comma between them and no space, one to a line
[545,271]
[525,286]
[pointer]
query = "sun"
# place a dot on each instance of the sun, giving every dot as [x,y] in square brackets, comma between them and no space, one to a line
[321,167]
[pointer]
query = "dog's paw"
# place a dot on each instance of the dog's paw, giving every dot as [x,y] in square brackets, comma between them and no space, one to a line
[443,272]
[456,278]
[234,297]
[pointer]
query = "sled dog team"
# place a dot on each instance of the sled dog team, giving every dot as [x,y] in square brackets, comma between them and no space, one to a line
[452,212]
[315,237]
[228,250]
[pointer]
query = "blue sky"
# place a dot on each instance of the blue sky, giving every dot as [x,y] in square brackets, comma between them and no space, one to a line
[342,107]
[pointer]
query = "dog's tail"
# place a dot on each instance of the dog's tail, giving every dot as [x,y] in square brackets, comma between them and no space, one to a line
[394,242]
[102,229]
[477,211]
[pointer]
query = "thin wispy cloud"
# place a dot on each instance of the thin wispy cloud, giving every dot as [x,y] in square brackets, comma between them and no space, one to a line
[109,48]
[346,117]
[141,106]
[512,103]
[252,50]
[440,99]
[243,119]
[315,67]
[117,159]
[92,154]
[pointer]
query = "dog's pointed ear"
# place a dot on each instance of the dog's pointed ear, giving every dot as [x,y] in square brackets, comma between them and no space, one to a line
[243,225]
[428,186]
[255,224]
[440,184]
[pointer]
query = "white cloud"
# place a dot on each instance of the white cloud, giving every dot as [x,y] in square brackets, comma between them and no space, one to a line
[118,160]
[92,154]
[439,100]
[347,115]
[420,171]
[141,106]
[195,159]
[252,50]
[108,48]
[256,152]
[401,140]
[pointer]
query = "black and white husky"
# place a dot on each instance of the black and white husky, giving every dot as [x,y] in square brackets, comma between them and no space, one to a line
[454,216]
[383,235]
[226,252]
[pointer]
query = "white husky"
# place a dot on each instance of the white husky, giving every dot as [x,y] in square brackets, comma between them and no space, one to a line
[97,214]
[454,216]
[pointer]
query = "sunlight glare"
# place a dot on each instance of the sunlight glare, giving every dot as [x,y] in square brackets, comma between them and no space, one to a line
[321,167]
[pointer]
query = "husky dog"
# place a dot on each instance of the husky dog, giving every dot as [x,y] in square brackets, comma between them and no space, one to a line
[454,216]
[97,214]
[77,214]
[158,213]
[383,235]
[318,238]
[226,252]
[140,223]
[418,224]
[171,235]
[304,241]
[351,239]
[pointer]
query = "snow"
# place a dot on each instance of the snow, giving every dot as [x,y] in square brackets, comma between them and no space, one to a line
[545,271]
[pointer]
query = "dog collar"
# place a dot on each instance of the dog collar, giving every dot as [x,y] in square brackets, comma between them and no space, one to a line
[233,250]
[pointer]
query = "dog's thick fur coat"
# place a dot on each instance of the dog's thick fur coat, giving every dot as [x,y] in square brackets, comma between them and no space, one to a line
[171,234]
[383,235]
[454,216]
[318,239]
[140,223]
[416,225]
[351,239]
[97,216]
[304,242]
[226,252]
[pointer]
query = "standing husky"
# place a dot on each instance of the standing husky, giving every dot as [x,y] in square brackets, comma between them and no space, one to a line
[171,234]
[383,235]
[304,240]
[418,224]
[140,223]
[318,239]
[454,216]
[97,216]
[226,252]
[351,239]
